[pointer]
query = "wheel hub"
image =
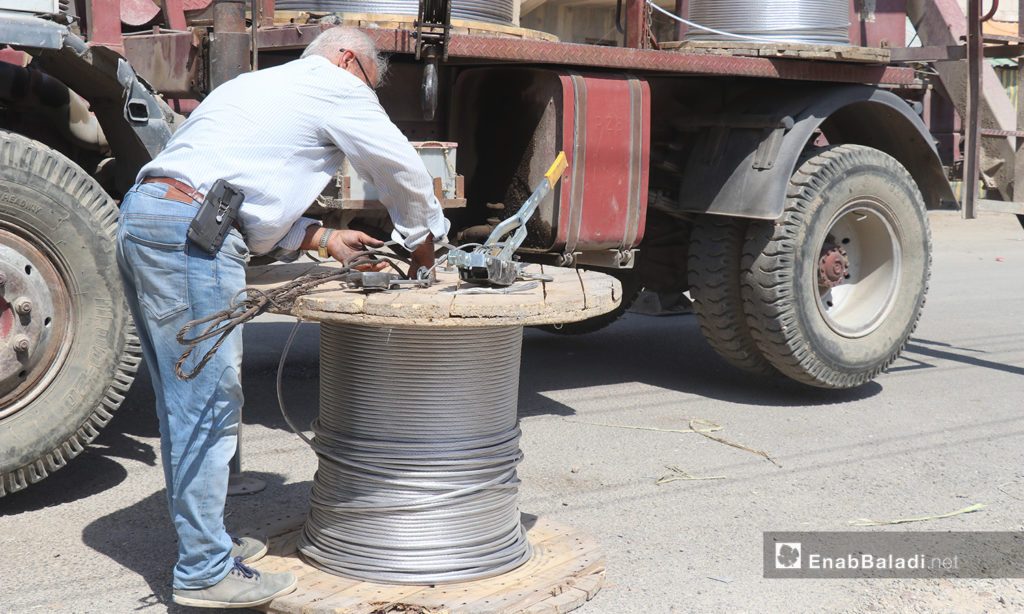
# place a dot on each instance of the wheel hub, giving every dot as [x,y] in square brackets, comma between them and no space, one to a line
[859,269]
[34,322]
[833,266]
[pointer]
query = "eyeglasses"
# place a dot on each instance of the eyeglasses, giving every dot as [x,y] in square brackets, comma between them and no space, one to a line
[361,69]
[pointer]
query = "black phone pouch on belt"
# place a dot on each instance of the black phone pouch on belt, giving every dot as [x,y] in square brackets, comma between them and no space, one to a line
[217,215]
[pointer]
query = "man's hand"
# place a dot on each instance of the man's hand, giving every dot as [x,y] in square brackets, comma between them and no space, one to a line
[422,256]
[343,244]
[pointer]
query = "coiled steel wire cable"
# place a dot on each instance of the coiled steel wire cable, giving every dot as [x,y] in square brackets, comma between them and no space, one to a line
[417,438]
[492,11]
[418,444]
[797,21]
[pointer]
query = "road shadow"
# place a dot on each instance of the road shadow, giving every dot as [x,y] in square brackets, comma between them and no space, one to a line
[87,474]
[141,537]
[264,343]
[97,468]
[664,352]
[919,351]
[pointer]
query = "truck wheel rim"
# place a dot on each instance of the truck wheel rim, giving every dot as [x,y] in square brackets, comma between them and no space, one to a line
[35,341]
[859,269]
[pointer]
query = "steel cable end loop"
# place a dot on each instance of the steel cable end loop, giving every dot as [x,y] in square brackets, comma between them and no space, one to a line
[178,366]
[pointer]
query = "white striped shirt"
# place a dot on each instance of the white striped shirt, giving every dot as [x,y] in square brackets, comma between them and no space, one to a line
[280,134]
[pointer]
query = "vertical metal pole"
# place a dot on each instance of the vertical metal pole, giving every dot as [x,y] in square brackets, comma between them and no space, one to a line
[256,14]
[972,125]
[636,24]
[230,44]
[236,460]
[1018,162]
[238,483]
[267,11]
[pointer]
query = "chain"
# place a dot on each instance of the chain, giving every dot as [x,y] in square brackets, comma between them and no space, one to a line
[649,26]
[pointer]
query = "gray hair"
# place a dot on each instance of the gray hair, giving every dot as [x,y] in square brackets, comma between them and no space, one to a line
[331,42]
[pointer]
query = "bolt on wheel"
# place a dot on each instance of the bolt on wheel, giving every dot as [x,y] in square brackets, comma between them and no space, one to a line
[35,321]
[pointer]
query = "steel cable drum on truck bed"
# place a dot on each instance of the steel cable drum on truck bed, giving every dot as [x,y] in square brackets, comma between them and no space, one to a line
[824,22]
[491,11]
[68,352]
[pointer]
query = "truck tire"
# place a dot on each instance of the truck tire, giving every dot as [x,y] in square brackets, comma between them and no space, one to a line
[631,287]
[716,251]
[834,288]
[68,351]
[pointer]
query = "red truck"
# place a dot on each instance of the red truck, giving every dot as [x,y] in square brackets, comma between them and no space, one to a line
[785,186]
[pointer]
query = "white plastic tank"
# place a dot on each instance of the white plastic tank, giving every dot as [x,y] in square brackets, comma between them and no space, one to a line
[824,22]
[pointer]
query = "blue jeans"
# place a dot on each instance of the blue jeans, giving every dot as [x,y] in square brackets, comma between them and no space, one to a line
[169,282]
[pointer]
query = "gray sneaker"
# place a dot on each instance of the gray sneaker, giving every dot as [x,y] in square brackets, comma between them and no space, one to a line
[251,549]
[241,588]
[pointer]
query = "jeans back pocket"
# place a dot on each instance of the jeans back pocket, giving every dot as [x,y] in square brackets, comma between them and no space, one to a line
[159,268]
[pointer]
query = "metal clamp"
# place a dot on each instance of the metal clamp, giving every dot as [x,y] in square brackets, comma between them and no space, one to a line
[374,281]
[492,262]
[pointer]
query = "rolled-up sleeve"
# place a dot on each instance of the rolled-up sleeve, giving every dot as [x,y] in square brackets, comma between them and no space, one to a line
[382,155]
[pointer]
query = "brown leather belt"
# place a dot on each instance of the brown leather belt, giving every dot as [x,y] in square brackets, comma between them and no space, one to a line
[177,190]
[184,193]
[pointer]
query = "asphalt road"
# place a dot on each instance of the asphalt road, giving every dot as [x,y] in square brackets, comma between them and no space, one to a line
[942,430]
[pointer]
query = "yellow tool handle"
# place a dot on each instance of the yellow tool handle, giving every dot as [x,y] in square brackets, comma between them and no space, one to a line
[555,172]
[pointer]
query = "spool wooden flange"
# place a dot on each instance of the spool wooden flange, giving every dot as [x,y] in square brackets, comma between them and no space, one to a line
[566,570]
[406,22]
[802,51]
[571,295]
